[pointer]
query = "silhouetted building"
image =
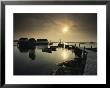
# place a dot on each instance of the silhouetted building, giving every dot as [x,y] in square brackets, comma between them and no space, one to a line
[32,42]
[42,42]
[23,42]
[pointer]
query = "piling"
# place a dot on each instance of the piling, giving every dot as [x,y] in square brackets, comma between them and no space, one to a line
[79,45]
[91,46]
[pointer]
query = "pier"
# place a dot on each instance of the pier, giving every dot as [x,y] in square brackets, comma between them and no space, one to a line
[91,63]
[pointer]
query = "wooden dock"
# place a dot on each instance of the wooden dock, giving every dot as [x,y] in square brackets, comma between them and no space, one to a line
[91,63]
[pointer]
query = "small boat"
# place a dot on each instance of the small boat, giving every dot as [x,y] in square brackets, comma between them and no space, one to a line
[66,46]
[49,50]
[53,48]
[61,45]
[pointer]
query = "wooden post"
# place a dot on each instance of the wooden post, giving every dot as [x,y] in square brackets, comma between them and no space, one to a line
[75,45]
[84,48]
[79,45]
[91,46]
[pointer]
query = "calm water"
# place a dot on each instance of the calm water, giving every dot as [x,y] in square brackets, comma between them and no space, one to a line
[35,62]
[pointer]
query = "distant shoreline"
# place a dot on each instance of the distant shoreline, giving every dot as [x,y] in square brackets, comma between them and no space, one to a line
[69,42]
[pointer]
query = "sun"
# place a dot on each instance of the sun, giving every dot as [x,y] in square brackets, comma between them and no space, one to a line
[65,29]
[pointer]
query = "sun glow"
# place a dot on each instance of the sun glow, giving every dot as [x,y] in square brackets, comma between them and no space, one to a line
[65,29]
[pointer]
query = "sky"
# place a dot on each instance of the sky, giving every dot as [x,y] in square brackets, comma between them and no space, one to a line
[68,27]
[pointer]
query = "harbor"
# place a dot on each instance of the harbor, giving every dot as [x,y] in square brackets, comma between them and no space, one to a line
[55,44]
[66,58]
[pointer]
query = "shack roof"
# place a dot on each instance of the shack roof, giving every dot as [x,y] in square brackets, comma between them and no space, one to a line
[42,40]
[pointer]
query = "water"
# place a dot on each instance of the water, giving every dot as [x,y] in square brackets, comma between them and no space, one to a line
[35,62]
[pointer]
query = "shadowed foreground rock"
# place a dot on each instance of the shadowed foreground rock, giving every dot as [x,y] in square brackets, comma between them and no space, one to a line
[72,67]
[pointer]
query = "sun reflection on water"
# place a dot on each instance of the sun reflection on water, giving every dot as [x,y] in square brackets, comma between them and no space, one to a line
[64,55]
